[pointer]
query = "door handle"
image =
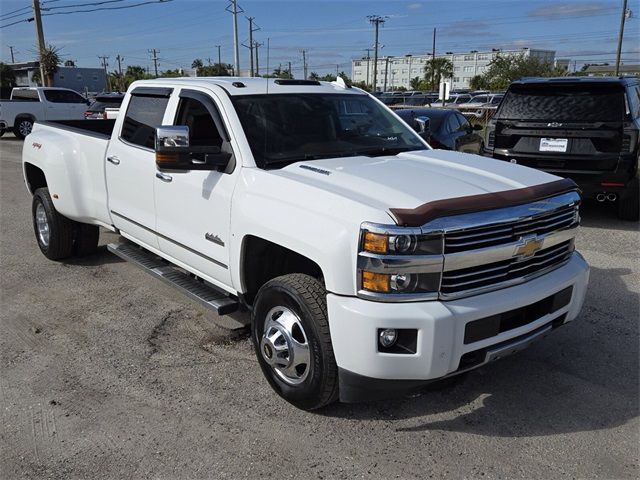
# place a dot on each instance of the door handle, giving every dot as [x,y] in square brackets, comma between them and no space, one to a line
[164,177]
[113,159]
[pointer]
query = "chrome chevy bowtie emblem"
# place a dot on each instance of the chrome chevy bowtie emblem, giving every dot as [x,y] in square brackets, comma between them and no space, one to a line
[529,247]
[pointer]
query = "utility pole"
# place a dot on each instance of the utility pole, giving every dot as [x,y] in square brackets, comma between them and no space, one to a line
[290,72]
[251,42]
[433,57]
[103,60]
[304,64]
[13,60]
[368,50]
[119,59]
[257,46]
[219,55]
[233,5]
[337,73]
[386,73]
[154,57]
[376,20]
[40,35]
[623,17]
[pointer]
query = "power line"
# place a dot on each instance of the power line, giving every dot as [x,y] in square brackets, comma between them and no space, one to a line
[92,4]
[107,8]
[14,11]
[19,21]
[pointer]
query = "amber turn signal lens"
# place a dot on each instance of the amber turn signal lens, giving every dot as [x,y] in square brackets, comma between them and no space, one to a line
[375,282]
[375,243]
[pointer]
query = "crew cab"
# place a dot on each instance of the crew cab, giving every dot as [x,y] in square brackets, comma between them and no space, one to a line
[370,263]
[583,128]
[30,104]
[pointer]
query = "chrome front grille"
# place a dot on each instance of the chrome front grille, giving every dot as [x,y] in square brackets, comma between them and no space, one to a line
[491,235]
[495,249]
[481,276]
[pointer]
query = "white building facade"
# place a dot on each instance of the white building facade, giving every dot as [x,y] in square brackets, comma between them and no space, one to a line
[396,72]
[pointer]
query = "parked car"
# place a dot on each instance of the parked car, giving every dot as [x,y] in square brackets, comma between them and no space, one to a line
[488,100]
[583,128]
[371,264]
[30,104]
[97,109]
[448,129]
[457,99]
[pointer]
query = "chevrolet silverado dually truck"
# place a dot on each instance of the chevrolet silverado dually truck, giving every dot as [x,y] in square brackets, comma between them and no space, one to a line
[370,263]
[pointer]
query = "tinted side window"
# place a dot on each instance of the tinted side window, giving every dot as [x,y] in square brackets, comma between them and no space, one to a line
[25,95]
[452,124]
[633,98]
[63,96]
[143,115]
[202,129]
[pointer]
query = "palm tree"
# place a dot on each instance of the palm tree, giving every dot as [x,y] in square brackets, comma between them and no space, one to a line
[7,76]
[50,59]
[438,69]
[415,83]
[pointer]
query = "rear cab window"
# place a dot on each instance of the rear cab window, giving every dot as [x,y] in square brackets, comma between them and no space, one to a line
[25,95]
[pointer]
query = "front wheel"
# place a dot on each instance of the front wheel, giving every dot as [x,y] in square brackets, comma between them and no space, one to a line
[290,333]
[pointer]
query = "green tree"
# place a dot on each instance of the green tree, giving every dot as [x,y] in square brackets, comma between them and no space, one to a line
[69,63]
[7,76]
[478,82]
[215,70]
[437,69]
[172,73]
[197,63]
[504,69]
[50,60]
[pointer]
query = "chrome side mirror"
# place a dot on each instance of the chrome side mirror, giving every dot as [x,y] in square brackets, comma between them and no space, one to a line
[171,137]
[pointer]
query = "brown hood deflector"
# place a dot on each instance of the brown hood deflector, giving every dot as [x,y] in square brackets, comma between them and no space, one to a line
[416,217]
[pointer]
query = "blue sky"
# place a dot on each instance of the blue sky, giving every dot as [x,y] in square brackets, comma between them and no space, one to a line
[332,32]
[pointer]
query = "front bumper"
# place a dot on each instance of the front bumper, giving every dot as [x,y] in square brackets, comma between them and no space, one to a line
[366,372]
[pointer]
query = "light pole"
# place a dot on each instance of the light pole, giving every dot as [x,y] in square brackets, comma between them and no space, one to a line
[625,14]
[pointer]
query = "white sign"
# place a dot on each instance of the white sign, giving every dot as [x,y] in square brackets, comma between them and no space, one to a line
[553,144]
[445,90]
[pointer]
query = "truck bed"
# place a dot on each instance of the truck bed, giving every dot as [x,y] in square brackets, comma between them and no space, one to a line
[97,128]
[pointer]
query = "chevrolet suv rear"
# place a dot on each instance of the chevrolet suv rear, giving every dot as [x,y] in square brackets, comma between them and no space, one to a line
[583,128]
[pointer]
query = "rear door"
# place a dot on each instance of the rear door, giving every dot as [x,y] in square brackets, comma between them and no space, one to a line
[131,165]
[64,104]
[562,127]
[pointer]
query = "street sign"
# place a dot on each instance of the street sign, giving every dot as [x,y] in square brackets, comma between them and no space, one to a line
[445,90]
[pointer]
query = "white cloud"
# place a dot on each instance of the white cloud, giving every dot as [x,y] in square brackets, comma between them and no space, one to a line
[414,6]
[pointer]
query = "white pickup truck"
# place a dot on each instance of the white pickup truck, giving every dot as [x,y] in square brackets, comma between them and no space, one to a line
[370,263]
[30,104]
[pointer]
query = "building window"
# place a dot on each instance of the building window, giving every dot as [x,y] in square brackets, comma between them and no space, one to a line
[468,57]
[483,56]
[455,69]
[456,79]
[457,58]
[358,64]
[468,68]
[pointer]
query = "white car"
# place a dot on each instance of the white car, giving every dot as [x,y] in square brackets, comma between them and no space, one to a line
[30,104]
[370,263]
[489,100]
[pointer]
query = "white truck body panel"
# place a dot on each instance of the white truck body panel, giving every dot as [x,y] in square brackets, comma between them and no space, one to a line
[42,109]
[201,220]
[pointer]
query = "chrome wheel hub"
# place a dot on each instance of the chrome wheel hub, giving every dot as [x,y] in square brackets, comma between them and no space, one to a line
[42,224]
[25,127]
[284,345]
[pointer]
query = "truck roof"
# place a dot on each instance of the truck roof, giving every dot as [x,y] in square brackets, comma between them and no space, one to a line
[253,86]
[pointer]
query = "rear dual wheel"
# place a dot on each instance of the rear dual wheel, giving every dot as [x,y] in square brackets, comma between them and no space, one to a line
[59,237]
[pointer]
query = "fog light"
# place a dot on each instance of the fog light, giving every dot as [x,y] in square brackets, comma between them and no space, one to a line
[388,337]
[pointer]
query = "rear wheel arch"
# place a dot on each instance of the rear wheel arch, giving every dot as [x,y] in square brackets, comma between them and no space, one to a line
[263,260]
[35,177]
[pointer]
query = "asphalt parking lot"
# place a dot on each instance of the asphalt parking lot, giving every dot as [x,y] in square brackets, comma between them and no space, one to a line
[108,373]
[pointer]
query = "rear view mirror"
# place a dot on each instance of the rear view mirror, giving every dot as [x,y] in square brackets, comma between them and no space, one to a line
[174,152]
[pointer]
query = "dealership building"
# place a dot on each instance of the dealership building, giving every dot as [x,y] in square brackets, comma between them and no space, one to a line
[396,72]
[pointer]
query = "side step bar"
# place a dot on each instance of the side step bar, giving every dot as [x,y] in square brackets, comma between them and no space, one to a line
[211,297]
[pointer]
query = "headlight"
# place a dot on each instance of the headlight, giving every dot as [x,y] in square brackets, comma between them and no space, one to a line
[399,264]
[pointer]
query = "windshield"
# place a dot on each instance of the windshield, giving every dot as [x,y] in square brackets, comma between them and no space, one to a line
[287,128]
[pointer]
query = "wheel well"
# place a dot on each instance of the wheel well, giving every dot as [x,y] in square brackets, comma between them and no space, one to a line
[24,116]
[263,260]
[35,177]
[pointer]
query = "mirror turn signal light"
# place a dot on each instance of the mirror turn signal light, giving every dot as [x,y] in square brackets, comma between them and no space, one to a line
[376,282]
[375,243]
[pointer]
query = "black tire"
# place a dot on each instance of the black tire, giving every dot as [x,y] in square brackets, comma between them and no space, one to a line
[86,239]
[306,297]
[23,127]
[61,229]
[629,204]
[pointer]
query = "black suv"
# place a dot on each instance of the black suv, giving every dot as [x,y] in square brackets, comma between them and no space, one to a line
[584,128]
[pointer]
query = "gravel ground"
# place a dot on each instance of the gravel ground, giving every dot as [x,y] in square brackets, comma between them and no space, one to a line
[108,373]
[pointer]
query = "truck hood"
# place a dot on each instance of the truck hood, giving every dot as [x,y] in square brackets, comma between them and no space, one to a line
[411,179]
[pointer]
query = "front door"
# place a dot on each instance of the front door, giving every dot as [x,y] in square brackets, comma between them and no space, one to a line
[131,166]
[193,207]
[64,105]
